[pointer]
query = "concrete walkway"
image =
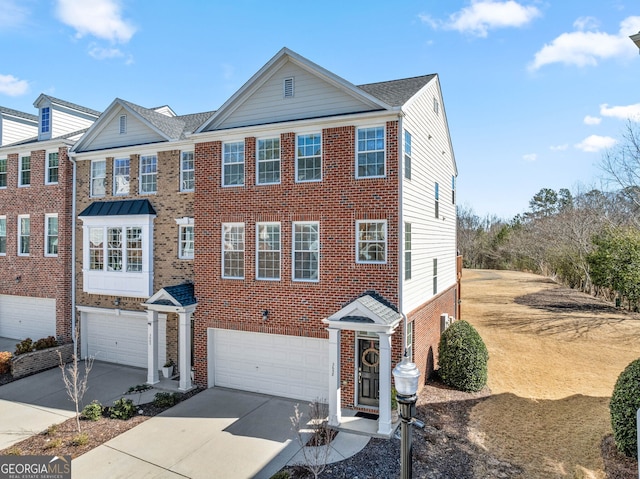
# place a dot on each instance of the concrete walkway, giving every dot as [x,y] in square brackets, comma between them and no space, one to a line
[217,433]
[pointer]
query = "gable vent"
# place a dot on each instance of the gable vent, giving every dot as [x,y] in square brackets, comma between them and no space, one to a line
[288,87]
[123,124]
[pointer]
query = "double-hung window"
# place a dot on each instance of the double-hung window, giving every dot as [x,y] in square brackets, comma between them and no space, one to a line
[233,164]
[25,171]
[53,164]
[121,176]
[453,190]
[306,251]
[24,235]
[371,241]
[148,174]
[309,157]
[98,177]
[436,194]
[187,171]
[45,120]
[268,161]
[185,238]
[370,152]
[233,250]
[435,276]
[268,255]
[96,249]
[51,234]
[407,251]
[407,155]
[3,172]
[3,235]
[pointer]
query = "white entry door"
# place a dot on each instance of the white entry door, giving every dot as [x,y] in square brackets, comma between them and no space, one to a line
[288,366]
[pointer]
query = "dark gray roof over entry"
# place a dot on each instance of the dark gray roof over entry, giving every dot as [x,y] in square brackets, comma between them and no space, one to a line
[121,208]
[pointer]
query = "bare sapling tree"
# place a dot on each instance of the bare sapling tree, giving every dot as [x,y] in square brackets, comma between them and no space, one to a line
[315,436]
[75,379]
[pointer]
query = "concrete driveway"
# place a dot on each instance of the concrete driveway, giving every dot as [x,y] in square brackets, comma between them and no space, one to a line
[29,405]
[217,433]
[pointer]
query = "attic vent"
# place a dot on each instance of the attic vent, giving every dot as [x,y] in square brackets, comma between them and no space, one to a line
[123,124]
[288,87]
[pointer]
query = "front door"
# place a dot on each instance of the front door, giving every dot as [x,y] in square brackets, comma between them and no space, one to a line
[368,372]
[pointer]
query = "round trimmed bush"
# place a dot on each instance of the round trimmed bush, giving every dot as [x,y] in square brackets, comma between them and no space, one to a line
[624,405]
[463,357]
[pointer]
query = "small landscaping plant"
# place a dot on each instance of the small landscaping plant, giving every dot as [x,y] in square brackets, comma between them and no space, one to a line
[139,388]
[623,407]
[92,412]
[5,362]
[463,357]
[80,439]
[24,346]
[164,399]
[122,409]
[45,343]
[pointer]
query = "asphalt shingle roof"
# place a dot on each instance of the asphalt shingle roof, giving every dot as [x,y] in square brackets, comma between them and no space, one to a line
[73,106]
[182,293]
[396,92]
[123,207]
[19,114]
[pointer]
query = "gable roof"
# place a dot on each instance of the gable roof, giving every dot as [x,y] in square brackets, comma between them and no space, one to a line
[368,308]
[18,114]
[397,92]
[118,208]
[180,295]
[270,68]
[67,104]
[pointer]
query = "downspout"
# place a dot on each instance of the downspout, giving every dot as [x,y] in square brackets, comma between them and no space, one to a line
[73,252]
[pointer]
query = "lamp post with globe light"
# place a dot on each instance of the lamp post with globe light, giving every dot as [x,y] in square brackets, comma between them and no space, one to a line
[406,376]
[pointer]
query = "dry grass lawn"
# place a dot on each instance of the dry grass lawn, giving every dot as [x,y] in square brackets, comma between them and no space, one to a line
[554,359]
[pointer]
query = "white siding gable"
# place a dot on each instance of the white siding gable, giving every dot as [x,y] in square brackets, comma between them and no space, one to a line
[64,120]
[109,136]
[432,161]
[312,97]
[13,129]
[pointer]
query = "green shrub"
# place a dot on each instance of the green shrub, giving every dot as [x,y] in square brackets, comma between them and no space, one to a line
[92,412]
[624,405]
[45,343]
[5,362]
[463,357]
[24,346]
[163,399]
[281,475]
[122,409]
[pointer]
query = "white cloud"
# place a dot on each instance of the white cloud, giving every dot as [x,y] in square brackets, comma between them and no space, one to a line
[484,15]
[563,147]
[595,143]
[98,18]
[530,157]
[592,120]
[586,48]
[100,53]
[628,112]
[11,86]
[586,23]
[12,14]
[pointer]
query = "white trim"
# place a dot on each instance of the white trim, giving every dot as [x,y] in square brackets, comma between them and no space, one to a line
[386,241]
[115,182]
[47,167]
[294,251]
[46,234]
[268,223]
[257,163]
[20,157]
[222,250]
[122,125]
[384,151]
[182,171]
[140,174]
[5,173]
[299,134]
[92,194]
[4,218]
[244,163]
[181,252]
[20,218]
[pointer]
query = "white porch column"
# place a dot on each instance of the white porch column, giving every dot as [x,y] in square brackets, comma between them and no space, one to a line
[184,345]
[152,347]
[384,413]
[335,403]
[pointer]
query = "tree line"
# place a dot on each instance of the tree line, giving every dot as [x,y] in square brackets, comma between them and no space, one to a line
[588,239]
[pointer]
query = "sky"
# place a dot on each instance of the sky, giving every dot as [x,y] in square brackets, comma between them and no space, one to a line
[535,92]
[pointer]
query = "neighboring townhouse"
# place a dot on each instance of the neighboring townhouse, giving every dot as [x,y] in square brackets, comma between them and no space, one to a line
[36,218]
[325,240]
[134,238]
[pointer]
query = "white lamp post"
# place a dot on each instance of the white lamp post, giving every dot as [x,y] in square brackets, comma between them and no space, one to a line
[406,376]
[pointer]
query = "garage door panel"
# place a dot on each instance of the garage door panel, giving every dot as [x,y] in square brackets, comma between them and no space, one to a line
[27,317]
[288,366]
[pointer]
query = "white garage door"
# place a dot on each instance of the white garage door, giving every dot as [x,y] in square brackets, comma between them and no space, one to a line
[25,317]
[288,366]
[121,338]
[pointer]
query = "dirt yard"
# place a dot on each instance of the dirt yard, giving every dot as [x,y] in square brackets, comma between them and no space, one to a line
[554,358]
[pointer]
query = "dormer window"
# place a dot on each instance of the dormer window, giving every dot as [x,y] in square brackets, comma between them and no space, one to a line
[45,120]
[288,87]
[123,124]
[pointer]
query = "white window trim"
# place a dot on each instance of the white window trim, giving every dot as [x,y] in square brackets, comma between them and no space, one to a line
[20,218]
[46,235]
[4,218]
[408,250]
[386,241]
[92,194]
[244,251]
[184,223]
[47,166]
[297,180]
[294,251]
[384,150]
[136,284]
[20,184]
[182,171]
[6,173]
[268,223]
[266,183]
[244,164]
[115,183]
[41,131]
[141,174]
